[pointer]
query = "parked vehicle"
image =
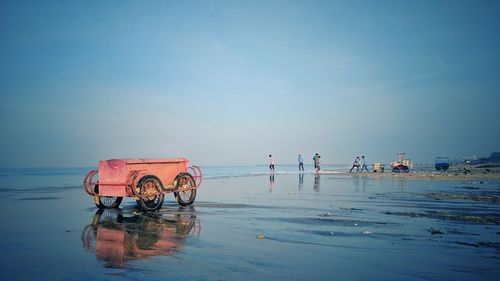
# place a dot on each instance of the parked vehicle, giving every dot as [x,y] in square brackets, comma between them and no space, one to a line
[403,165]
[378,167]
[442,164]
[145,180]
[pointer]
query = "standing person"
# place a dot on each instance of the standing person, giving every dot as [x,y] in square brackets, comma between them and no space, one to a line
[355,164]
[314,160]
[301,163]
[271,163]
[318,160]
[363,164]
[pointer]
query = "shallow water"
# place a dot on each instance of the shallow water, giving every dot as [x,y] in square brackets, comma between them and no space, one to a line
[259,227]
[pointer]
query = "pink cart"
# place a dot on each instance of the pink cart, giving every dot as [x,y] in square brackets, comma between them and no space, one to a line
[146,180]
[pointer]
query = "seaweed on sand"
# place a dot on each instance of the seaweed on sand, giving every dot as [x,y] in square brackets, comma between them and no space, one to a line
[486,218]
[481,197]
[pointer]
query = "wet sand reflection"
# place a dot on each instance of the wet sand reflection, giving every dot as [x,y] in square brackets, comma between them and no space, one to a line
[116,237]
[316,182]
[271,182]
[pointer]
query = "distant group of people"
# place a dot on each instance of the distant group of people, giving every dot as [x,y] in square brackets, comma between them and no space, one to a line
[359,162]
[316,158]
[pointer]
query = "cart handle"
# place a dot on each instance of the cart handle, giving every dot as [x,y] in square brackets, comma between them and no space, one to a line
[88,184]
[195,171]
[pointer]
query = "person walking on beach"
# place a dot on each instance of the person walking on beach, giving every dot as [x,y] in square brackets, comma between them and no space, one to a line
[271,163]
[301,163]
[363,164]
[355,165]
[317,159]
[314,160]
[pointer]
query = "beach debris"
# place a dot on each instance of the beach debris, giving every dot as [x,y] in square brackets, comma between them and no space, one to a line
[484,197]
[407,214]
[467,244]
[327,214]
[468,187]
[434,231]
[332,233]
[351,209]
[367,232]
[260,237]
[460,232]
[355,224]
[489,244]
[485,218]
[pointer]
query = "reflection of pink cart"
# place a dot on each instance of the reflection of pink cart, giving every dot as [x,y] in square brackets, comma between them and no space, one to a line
[147,180]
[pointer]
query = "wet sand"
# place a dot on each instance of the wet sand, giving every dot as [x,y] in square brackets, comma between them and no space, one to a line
[281,227]
[479,175]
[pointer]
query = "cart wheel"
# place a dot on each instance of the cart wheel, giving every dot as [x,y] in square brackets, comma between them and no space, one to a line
[106,202]
[150,185]
[406,170]
[186,197]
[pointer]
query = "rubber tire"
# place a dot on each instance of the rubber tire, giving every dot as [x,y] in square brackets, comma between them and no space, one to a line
[102,205]
[142,202]
[191,199]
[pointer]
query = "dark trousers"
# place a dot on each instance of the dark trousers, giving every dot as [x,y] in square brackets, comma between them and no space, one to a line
[301,166]
[355,166]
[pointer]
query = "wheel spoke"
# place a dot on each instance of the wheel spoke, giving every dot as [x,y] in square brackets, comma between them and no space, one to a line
[185,192]
[151,197]
[107,201]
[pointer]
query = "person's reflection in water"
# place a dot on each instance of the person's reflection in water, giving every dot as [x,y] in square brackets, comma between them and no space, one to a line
[316,182]
[271,182]
[301,180]
[356,182]
[117,238]
[403,185]
[363,183]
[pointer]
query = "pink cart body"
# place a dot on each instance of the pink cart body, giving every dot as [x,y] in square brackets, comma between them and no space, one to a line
[122,177]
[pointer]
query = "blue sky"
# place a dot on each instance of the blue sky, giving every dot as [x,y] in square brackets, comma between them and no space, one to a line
[229,82]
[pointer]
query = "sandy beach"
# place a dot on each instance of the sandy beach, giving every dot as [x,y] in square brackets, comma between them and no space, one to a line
[264,227]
